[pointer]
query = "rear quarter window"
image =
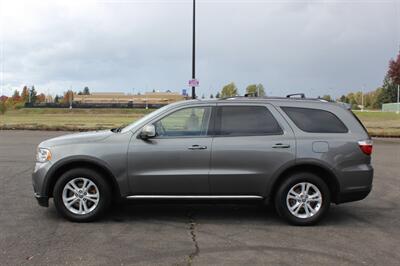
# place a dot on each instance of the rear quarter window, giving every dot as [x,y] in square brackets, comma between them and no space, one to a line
[315,120]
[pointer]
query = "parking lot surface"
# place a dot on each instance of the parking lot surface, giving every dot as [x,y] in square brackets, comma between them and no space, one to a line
[360,233]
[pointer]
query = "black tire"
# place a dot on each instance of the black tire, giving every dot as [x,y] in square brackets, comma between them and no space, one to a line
[103,189]
[280,200]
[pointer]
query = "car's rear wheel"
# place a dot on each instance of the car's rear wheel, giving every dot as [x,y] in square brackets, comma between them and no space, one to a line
[81,195]
[302,199]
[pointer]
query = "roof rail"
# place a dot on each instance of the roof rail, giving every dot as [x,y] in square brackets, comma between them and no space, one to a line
[302,95]
[288,97]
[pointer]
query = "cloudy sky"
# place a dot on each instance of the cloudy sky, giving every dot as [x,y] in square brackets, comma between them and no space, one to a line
[316,47]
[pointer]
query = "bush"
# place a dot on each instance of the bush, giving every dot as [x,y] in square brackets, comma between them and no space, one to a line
[3,107]
[19,105]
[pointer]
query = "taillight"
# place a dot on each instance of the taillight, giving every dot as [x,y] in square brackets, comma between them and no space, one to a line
[366,146]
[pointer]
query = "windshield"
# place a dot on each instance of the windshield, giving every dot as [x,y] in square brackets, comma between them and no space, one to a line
[145,118]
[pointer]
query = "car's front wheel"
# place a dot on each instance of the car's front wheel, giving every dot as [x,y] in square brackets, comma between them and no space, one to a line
[302,199]
[81,195]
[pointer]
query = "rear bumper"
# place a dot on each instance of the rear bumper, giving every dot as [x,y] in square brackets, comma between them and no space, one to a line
[355,195]
[355,183]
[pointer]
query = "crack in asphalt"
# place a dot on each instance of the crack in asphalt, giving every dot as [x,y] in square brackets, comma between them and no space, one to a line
[192,230]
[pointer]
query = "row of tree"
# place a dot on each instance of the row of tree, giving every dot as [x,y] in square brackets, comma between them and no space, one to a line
[30,95]
[387,93]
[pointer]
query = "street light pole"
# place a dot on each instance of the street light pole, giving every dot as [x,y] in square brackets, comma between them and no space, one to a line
[398,98]
[193,49]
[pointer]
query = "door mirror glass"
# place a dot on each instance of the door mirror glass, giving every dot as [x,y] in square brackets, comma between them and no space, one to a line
[148,131]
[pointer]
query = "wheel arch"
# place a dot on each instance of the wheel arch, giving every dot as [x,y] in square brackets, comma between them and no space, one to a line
[80,162]
[324,172]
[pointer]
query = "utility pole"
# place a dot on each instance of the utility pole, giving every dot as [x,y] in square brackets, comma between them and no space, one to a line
[398,98]
[193,49]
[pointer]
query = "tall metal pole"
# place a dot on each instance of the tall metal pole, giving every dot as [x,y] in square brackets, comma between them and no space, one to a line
[398,98]
[193,49]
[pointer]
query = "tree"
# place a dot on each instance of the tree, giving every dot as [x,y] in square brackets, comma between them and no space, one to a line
[202,96]
[229,90]
[16,97]
[327,97]
[33,94]
[68,97]
[57,99]
[218,95]
[343,99]
[41,98]
[394,70]
[254,89]
[211,96]
[25,94]
[86,91]
[3,107]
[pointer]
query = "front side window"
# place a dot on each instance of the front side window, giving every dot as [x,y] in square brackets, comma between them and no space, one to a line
[315,120]
[184,123]
[246,121]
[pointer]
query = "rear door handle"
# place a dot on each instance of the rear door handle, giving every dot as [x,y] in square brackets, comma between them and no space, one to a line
[281,146]
[197,147]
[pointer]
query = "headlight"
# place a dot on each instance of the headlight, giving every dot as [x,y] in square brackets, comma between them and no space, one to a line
[43,155]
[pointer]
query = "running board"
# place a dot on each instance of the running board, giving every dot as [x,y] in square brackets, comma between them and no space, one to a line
[193,197]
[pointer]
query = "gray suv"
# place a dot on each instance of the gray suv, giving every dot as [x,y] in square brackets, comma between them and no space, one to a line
[299,154]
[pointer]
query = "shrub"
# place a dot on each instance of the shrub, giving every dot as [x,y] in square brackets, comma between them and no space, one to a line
[3,107]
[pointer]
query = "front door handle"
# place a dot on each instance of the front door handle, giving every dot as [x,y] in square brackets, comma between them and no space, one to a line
[281,146]
[197,147]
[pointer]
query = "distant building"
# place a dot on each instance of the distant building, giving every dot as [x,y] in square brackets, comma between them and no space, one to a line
[120,97]
[390,107]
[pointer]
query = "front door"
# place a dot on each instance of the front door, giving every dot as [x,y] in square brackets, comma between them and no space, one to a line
[177,160]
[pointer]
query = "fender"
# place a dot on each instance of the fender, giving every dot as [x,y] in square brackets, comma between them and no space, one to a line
[298,163]
[49,179]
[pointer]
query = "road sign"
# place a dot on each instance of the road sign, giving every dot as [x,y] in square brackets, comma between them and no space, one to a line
[193,83]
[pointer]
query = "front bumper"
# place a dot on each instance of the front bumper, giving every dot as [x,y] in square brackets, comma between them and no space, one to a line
[42,201]
[38,182]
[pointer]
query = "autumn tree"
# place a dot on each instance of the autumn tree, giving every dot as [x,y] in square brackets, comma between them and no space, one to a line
[41,98]
[25,94]
[16,97]
[394,70]
[68,97]
[229,90]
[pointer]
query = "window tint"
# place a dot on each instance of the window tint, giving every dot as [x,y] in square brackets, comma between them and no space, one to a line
[315,120]
[185,122]
[246,120]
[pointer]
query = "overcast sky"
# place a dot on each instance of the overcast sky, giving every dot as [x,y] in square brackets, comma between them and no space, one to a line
[316,47]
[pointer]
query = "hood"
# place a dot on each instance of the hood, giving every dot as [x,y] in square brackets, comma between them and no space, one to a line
[76,138]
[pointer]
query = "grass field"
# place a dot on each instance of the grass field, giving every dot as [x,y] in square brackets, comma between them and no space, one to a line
[377,123]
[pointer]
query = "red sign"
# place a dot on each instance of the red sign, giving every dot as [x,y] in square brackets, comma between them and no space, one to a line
[193,83]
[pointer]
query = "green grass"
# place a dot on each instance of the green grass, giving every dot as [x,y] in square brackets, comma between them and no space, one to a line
[65,119]
[377,123]
[381,123]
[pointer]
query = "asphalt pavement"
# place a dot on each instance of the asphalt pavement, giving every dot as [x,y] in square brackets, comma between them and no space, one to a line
[359,233]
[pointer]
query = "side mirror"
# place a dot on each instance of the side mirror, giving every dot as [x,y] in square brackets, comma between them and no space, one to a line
[148,131]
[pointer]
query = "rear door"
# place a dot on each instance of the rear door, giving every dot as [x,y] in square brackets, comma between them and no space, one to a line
[252,141]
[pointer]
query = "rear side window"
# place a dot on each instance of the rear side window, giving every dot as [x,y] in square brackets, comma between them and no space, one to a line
[315,120]
[245,121]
